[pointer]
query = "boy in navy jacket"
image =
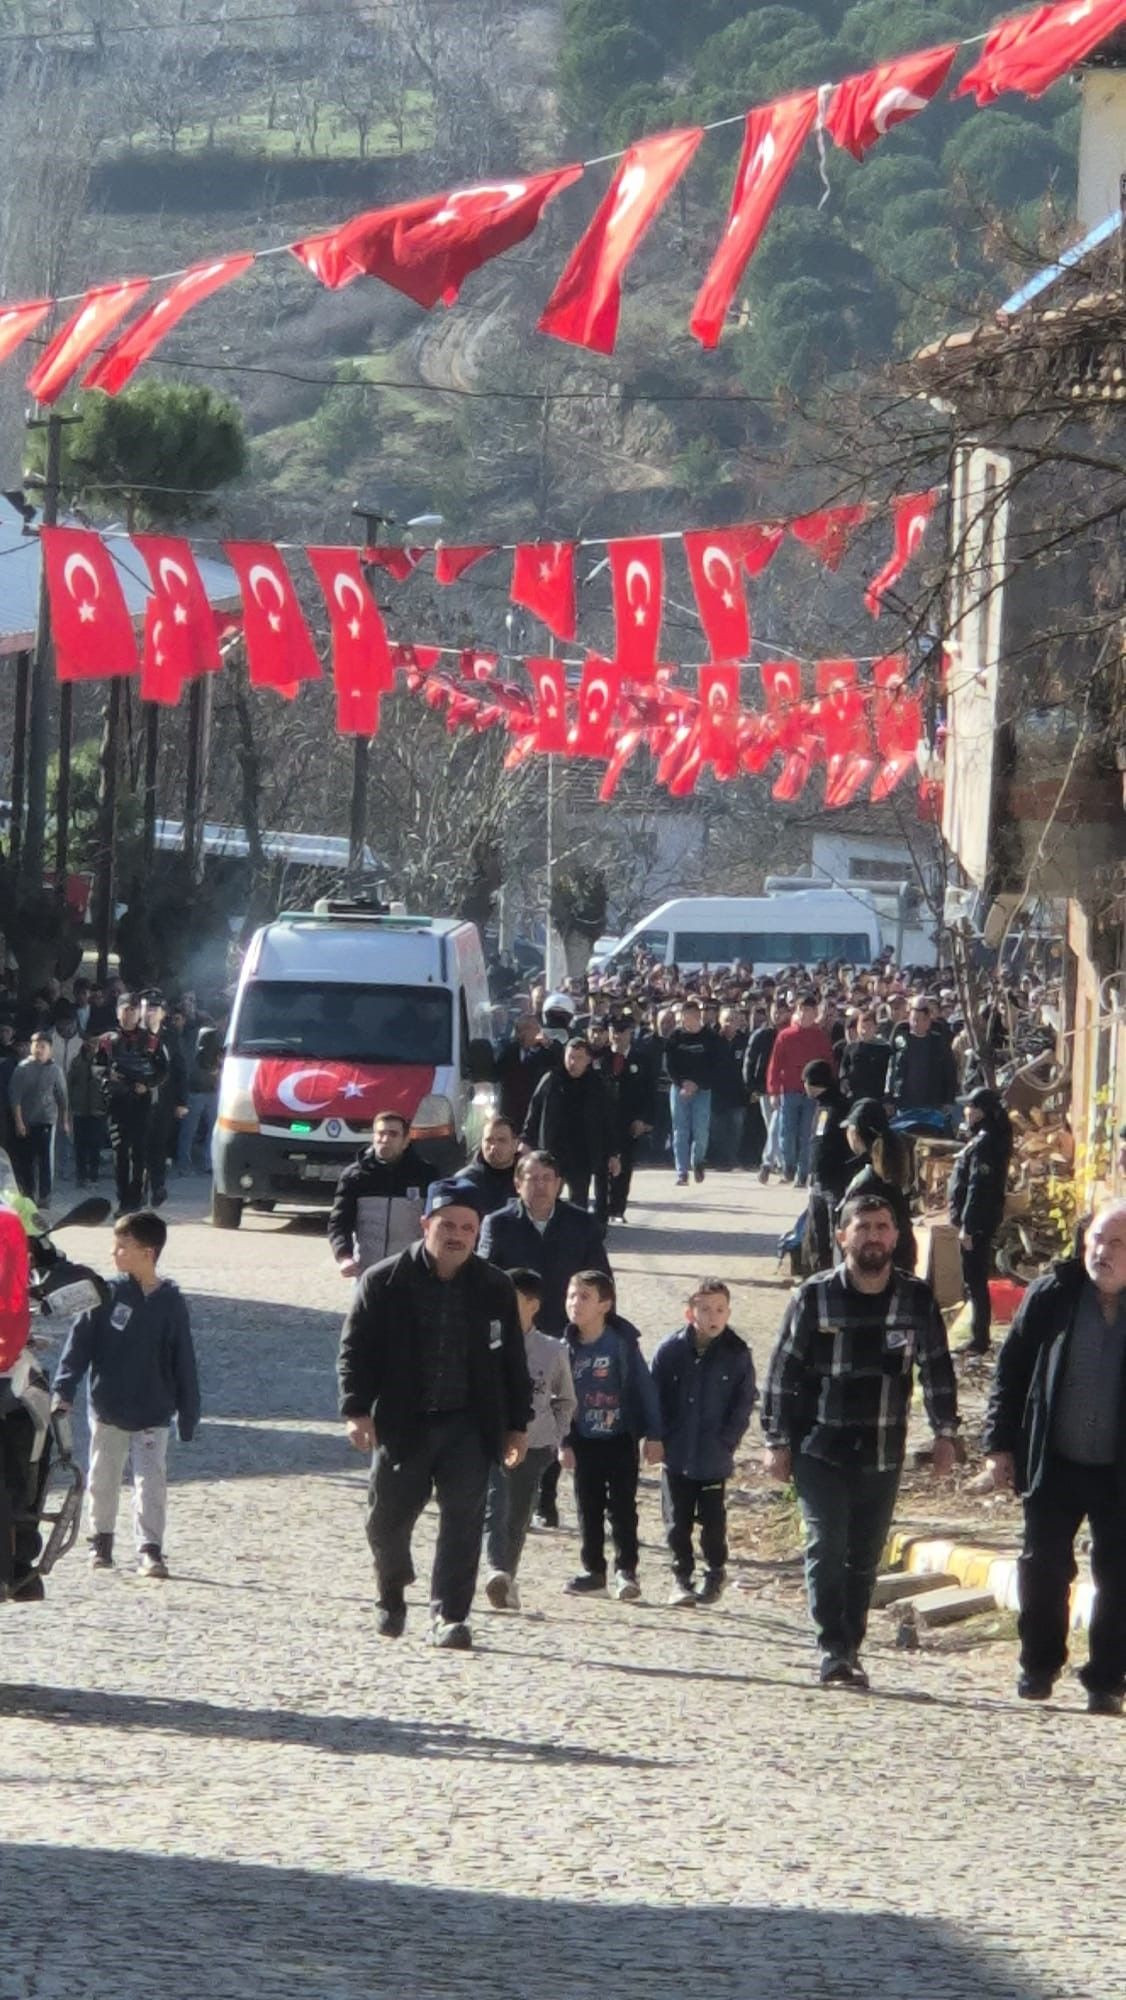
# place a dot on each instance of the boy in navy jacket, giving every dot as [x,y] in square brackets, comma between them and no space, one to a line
[141,1361]
[705,1382]
[615,1410]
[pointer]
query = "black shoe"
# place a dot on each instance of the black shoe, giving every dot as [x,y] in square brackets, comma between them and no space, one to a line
[158,1197]
[29,1588]
[697,1173]
[973,1347]
[391,1617]
[451,1635]
[150,1562]
[101,1552]
[1101,1702]
[682,1180]
[859,1677]
[712,1587]
[835,1670]
[546,1517]
[589,1583]
[1035,1687]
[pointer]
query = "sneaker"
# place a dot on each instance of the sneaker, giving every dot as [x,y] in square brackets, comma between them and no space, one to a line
[391,1616]
[451,1635]
[835,1670]
[588,1583]
[513,1595]
[802,1181]
[1101,1702]
[1035,1687]
[681,1592]
[498,1589]
[150,1562]
[712,1588]
[682,1180]
[859,1676]
[626,1587]
[764,1175]
[546,1517]
[101,1552]
[697,1173]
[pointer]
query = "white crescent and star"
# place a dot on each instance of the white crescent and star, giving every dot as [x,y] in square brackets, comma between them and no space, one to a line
[81,565]
[288,1087]
[916,529]
[641,605]
[896,104]
[631,187]
[260,573]
[343,587]
[717,559]
[510,193]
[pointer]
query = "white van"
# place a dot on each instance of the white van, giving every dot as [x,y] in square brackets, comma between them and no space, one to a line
[767,932]
[339,1014]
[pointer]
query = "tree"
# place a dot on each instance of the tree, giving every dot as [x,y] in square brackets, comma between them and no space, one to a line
[164,445]
[579,906]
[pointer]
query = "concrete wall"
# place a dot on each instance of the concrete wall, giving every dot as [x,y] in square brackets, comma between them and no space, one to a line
[1102,144]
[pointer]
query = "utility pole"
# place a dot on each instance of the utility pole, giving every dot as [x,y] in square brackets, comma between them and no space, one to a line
[19,760]
[361,746]
[33,849]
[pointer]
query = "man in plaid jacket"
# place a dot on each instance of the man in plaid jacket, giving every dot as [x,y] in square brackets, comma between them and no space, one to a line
[834,1415]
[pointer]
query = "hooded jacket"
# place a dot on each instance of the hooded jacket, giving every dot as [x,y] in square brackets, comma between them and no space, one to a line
[139,1353]
[377,1207]
[706,1402]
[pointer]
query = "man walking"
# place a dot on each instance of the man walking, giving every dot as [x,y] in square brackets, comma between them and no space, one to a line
[572,1117]
[755,1065]
[802,1042]
[1056,1430]
[631,1075]
[729,1094]
[690,1061]
[922,1073]
[133,1065]
[434,1383]
[835,1409]
[377,1206]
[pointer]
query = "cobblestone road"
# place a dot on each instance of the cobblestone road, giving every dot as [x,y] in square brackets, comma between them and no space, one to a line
[226,1785]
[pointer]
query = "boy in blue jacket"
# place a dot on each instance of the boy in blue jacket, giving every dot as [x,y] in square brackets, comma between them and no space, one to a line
[705,1382]
[139,1353]
[615,1411]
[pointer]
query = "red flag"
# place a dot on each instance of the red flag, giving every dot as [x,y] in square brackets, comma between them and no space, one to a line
[398,563]
[1029,52]
[326,259]
[415,661]
[840,709]
[862,108]
[713,563]
[452,563]
[585,304]
[101,310]
[683,780]
[844,777]
[899,725]
[794,775]
[719,718]
[911,514]
[428,248]
[758,543]
[543,581]
[599,693]
[775,135]
[121,361]
[620,756]
[181,639]
[280,652]
[829,532]
[90,625]
[478,666]
[16,322]
[638,570]
[550,682]
[781,684]
[361,656]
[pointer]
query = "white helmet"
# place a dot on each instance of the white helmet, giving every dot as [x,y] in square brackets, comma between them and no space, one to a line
[558,1013]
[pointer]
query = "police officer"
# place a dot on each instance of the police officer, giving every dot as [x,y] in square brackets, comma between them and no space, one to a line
[133,1065]
[169,1097]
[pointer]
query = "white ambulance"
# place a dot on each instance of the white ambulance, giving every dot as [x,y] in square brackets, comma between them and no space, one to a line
[339,1014]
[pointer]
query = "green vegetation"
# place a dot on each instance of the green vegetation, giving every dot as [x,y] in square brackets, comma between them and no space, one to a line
[178,437]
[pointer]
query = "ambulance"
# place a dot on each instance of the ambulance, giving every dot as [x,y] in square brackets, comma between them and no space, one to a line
[341,1013]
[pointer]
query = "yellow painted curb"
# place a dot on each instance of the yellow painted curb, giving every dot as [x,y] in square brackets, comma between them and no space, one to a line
[975,1568]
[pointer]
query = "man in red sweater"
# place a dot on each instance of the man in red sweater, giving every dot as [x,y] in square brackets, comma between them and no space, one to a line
[802,1042]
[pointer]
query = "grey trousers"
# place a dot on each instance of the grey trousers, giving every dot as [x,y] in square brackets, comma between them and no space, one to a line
[109,1450]
[445,1457]
[509,1508]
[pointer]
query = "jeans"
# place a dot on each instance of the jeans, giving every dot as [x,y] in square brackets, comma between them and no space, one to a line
[1053,1516]
[847,1513]
[193,1134]
[684,1502]
[509,1506]
[796,1120]
[446,1457]
[691,1121]
[606,1484]
[32,1162]
[89,1138]
[975,1278]
[109,1449]
[726,1136]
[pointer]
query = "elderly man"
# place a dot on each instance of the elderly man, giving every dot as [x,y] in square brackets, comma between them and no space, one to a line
[434,1383]
[1056,1430]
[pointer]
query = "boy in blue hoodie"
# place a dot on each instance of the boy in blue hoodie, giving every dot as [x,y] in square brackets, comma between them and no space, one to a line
[139,1353]
[615,1412]
[705,1381]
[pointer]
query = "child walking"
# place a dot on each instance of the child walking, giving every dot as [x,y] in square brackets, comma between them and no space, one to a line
[616,1409]
[512,1493]
[705,1382]
[141,1361]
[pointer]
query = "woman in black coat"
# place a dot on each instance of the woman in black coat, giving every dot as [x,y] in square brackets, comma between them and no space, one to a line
[977,1203]
[881,1164]
[830,1162]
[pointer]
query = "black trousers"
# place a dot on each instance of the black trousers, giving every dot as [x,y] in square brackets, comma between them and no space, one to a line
[1053,1515]
[975,1278]
[686,1502]
[31,1158]
[619,1189]
[21,1491]
[128,1137]
[158,1146]
[754,1136]
[446,1457]
[819,1227]
[606,1485]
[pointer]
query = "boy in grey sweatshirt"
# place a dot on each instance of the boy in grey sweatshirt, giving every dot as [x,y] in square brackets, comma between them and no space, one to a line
[512,1494]
[38,1100]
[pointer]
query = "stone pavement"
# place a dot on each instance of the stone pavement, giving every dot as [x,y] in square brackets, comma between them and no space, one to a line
[226,1785]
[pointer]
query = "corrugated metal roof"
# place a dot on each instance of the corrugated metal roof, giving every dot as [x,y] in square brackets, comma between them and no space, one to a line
[19,578]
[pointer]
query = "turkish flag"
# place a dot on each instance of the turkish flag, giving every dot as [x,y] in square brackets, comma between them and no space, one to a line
[828,532]
[451,563]
[714,563]
[775,135]
[181,639]
[899,725]
[280,653]
[543,581]
[840,708]
[793,777]
[599,693]
[326,259]
[620,756]
[677,744]
[1029,52]
[549,679]
[911,514]
[585,304]
[862,108]
[91,627]
[16,322]
[415,661]
[121,361]
[781,684]
[719,718]
[638,571]
[845,776]
[101,310]
[478,666]
[399,564]
[758,543]
[361,656]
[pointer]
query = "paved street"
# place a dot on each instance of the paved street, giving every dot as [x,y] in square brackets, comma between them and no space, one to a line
[226,1785]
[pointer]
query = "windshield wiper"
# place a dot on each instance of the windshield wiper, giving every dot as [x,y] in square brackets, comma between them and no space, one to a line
[270,1045]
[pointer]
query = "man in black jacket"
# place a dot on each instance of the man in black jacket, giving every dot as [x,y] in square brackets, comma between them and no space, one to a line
[493,1170]
[169,1099]
[1055,1430]
[572,1117]
[520,1065]
[864,1062]
[133,1065]
[922,1073]
[629,1070]
[434,1383]
[377,1206]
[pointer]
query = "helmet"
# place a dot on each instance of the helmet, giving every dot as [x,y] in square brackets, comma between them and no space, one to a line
[558,1014]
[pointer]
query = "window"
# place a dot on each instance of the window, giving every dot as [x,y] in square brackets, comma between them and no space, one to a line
[864,868]
[773,947]
[360,1024]
[655,941]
